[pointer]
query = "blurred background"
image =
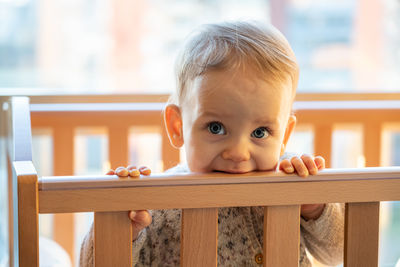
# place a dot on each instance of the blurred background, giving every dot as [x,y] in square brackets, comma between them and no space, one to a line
[128,47]
[124,46]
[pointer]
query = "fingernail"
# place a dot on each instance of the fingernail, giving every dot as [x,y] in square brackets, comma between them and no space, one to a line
[131,167]
[132,215]
[144,170]
[122,172]
[134,173]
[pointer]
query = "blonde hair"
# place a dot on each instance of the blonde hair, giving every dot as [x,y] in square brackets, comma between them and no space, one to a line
[231,45]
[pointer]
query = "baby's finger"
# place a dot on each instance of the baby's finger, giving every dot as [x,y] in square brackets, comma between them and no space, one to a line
[122,172]
[110,172]
[134,172]
[299,166]
[144,171]
[286,166]
[140,220]
[320,162]
[310,164]
[130,167]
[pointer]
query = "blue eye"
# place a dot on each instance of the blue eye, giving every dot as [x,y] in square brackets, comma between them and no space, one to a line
[216,128]
[260,132]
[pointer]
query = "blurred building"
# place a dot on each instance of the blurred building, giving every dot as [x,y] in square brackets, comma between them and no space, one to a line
[129,46]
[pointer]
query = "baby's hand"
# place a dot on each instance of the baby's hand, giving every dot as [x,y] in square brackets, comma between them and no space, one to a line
[131,171]
[140,218]
[303,165]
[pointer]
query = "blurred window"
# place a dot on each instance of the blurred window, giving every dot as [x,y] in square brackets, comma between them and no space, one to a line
[126,46]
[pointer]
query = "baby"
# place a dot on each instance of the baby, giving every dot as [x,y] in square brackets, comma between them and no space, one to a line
[236,83]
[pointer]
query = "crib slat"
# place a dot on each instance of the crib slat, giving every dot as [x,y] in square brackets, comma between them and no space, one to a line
[112,239]
[323,142]
[63,164]
[118,146]
[361,234]
[199,235]
[281,236]
[372,144]
[28,212]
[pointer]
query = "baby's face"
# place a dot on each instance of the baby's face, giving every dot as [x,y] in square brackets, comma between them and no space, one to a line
[235,123]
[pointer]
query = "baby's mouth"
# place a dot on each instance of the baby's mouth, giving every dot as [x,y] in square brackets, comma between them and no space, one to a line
[232,171]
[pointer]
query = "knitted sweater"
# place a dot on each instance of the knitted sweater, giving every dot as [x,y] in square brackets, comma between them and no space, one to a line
[240,234]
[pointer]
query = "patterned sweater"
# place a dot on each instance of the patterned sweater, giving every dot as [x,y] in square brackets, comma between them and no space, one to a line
[240,234]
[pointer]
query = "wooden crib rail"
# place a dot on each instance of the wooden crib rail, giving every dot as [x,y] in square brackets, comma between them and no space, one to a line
[160,191]
[199,195]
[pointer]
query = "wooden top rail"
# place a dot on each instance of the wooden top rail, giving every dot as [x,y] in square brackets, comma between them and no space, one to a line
[158,106]
[330,112]
[106,114]
[99,107]
[158,180]
[59,194]
[347,105]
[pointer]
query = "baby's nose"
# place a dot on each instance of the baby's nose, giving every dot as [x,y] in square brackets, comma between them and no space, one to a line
[238,152]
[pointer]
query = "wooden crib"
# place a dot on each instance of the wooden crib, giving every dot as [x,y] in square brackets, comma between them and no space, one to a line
[199,197]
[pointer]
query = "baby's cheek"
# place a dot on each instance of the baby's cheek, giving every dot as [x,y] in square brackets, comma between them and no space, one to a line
[267,161]
[198,164]
[198,158]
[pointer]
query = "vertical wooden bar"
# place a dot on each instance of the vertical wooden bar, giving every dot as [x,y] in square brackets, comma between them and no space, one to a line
[199,237]
[170,155]
[281,236]
[323,142]
[63,224]
[361,234]
[28,215]
[63,145]
[112,239]
[372,144]
[118,146]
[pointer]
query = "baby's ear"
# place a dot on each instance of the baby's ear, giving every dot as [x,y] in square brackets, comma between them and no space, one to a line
[173,124]
[288,131]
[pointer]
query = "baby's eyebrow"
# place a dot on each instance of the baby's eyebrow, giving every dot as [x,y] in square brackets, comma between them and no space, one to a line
[215,114]
[266,121]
